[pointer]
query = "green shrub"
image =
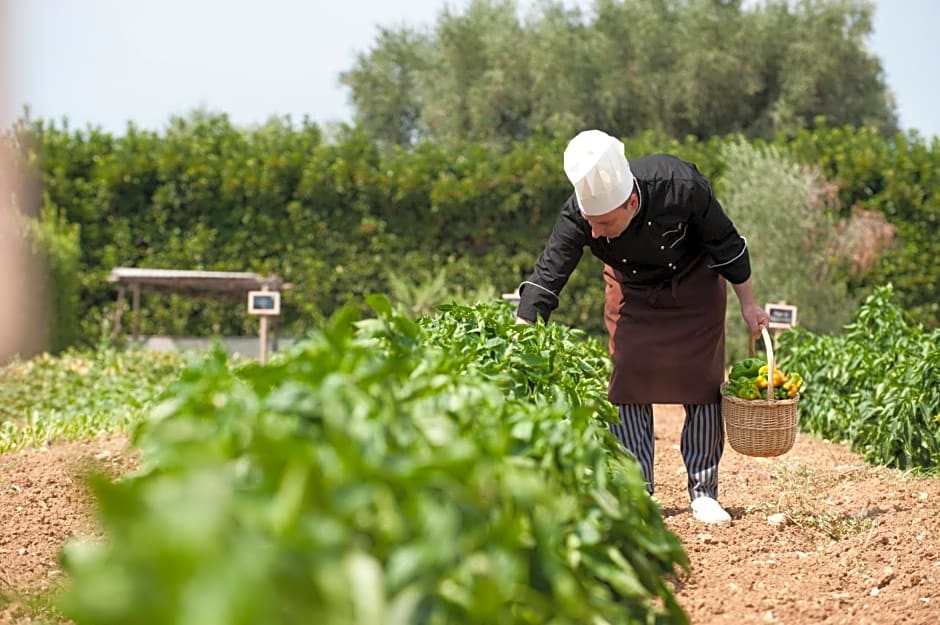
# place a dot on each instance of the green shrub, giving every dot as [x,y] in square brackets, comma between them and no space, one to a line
[876,386]
[56,248]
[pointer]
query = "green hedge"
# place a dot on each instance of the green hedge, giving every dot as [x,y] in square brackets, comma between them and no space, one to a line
[341,219]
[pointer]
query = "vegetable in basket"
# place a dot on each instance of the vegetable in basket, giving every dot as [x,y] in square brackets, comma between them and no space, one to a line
[749,380]
[746,368]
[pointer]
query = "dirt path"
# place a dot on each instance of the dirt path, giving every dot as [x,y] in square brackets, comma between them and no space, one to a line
[855,544]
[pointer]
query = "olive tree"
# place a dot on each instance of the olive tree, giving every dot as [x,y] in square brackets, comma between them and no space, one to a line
[679,67]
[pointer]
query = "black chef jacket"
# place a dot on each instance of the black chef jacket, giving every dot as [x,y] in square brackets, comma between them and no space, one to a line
[679,219]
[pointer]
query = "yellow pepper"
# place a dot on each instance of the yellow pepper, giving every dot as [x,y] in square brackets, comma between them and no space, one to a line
[793,384]
[779,377]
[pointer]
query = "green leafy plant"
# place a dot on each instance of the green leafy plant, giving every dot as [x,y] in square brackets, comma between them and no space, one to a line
[383,471]
[80,394]
[876,386]
[422,294]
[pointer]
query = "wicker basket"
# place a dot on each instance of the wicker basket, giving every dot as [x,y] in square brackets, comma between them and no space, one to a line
[761,427]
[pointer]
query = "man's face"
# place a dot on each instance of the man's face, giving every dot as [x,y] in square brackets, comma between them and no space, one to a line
[611,225]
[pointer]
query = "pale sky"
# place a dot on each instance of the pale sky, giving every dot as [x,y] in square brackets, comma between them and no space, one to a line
[105,62]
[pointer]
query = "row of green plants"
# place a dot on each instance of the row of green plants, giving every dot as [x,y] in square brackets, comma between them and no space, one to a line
[876,385]
[453,470]
[80,394]
[342,217]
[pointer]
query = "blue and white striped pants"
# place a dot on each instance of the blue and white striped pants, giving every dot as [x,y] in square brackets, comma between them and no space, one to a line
[702,443]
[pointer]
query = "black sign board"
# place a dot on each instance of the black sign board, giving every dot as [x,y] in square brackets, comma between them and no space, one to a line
[264,302]
[781,315]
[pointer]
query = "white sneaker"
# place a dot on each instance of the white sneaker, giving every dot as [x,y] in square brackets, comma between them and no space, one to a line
[707,510]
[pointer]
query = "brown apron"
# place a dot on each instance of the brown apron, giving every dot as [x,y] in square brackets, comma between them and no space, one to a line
[667,342]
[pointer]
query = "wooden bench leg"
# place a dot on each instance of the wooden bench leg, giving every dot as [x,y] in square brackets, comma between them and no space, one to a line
[118,312]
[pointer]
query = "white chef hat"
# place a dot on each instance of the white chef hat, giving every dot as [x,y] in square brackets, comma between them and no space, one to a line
[596,166]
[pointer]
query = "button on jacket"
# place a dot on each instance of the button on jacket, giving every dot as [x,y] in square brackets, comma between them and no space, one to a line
[679,220]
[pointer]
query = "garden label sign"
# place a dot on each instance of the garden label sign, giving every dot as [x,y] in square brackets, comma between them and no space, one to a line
[782,315]
[265,304]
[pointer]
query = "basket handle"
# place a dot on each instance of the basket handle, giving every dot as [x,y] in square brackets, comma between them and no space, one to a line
[769,346]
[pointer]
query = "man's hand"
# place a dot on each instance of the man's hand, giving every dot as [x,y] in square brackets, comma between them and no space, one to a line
[756,318]
[521,320]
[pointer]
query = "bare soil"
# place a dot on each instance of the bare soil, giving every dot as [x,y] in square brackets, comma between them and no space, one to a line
[817,537]
[43,503]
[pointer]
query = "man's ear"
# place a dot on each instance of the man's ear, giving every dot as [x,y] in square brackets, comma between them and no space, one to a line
[634,201]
